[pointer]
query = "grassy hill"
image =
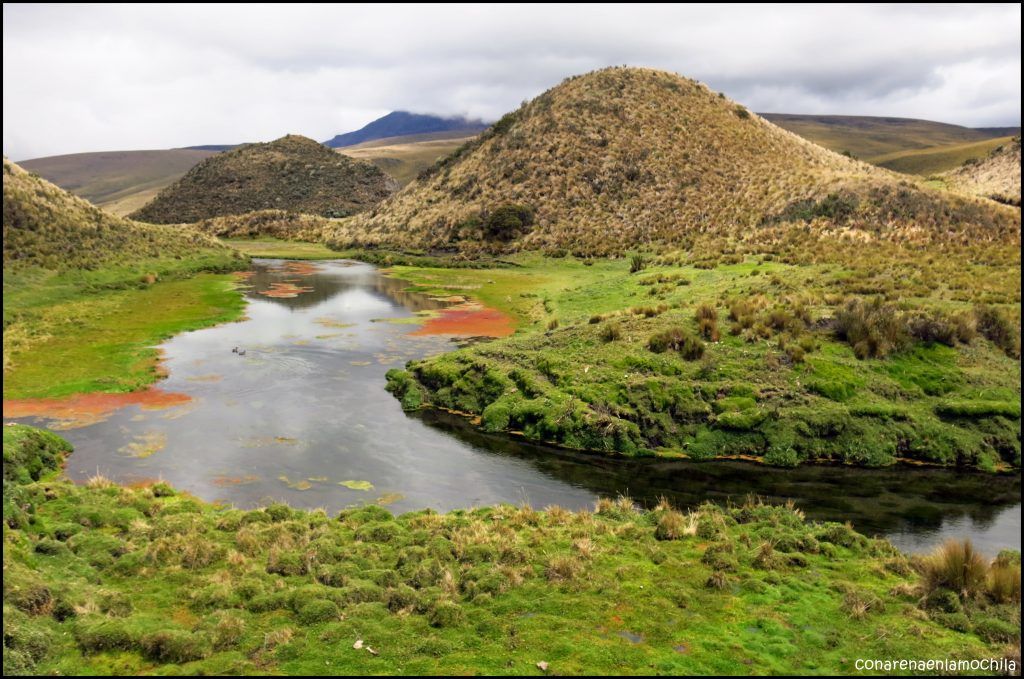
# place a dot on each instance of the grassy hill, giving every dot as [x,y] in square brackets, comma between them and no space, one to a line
[404,123]
[997,176]
[403,158]
[868,137]
[292,173]
[101,579]
[118,181]
[626,157]
[937,159]
[73,274]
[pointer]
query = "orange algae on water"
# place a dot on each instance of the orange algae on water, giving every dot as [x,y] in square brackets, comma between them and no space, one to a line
[81,410]
[470,320]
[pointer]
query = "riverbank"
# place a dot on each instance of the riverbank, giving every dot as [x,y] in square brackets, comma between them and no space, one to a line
[94,577]
[748,357]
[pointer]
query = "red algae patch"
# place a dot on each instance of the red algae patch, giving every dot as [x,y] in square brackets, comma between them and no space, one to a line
[284,290]
[81,410]
[301,268]
[470,320]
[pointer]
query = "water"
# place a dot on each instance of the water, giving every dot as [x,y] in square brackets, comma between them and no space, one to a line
[302,417]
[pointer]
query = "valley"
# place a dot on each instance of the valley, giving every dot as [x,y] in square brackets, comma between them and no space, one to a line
[631,381]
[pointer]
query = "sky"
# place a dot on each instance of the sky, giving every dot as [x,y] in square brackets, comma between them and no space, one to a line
[98,78]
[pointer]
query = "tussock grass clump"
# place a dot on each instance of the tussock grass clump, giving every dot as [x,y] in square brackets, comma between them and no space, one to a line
[873,328]
[678,339]
[955,566]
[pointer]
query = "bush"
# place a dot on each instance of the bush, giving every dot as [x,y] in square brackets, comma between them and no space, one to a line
[508,222]
[678,339]
[956,566]
[103,635]
[637,263]
[998,329]
[1004,582]
[996,631]
[611,332]
[175,646]
[707,322]
[445,614]
[672,525]
[874,329]
[318,610]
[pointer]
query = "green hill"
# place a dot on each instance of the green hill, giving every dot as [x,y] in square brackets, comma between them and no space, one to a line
[937,159]
[625,157]
[292,173]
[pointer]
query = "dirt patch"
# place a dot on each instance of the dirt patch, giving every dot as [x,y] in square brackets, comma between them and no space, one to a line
[82,410]
[472,320]
[284,290]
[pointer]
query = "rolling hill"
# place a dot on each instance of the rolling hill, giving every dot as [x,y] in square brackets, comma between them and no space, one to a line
[871,137]
[996,177]
[118,181]
[624,157]
[404,123]
[405,157]
[46,227]
[937,159]
[292,173]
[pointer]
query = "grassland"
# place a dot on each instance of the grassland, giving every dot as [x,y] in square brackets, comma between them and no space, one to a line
[101,579]
[87,295]
[117,181]
[938,159]
[273,248]
[736,357]
[997,176]
[871,137]
[404,158]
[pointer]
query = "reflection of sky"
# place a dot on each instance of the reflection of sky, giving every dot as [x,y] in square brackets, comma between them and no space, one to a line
[306,405]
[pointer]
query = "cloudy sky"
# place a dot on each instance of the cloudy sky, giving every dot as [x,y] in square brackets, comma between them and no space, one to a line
[81,78]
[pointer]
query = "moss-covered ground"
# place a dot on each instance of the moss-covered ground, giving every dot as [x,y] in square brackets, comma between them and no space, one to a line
[101,579]
[865,362]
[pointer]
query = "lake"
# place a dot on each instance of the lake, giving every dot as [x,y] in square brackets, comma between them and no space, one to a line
[289,405]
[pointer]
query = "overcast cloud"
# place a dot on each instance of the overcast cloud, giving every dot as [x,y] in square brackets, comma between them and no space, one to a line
[81,78]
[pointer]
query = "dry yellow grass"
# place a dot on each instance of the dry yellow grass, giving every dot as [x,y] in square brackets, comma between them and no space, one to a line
[996,177]
[403,160]
[624,158]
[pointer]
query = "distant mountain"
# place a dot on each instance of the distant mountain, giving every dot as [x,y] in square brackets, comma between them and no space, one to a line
[404,123]
[292,173]
[213,147]
[1000,131]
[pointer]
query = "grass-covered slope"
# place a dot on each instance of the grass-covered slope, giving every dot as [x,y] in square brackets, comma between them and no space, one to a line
[103,579]
[292,173]
[867,356]
[937,159]
[996,176]
[623,157]
[117,181]
[87,294]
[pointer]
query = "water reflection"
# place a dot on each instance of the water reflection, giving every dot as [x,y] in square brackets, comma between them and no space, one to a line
[302,416]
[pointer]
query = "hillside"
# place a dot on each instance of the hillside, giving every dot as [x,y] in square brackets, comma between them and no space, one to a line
[292,173]
[996,177]
[118,181]
[403,123]
[46,227]
[937,159]
[403,158]
[625,157]
[868,137]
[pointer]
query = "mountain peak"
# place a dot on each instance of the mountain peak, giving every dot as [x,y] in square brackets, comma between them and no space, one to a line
[403,123]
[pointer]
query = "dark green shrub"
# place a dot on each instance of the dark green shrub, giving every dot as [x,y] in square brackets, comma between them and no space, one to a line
[175,646]
[316,611]
[508,222]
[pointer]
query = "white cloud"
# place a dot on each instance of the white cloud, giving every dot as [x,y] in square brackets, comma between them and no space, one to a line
[84,78]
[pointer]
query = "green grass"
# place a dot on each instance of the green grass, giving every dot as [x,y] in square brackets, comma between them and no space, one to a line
[577,384]
[80,331]
[938,159]
[272,248]
[100,579]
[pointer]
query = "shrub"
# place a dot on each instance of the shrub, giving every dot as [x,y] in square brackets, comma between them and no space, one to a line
[445,614]
[957,566]
[673,525]
[994,630]
[175,646]
[318,610]
[508,222]
[637,263]
[998,329]
[1004,582]
[678,339]
[707,322]
[611,332]
[874,329]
